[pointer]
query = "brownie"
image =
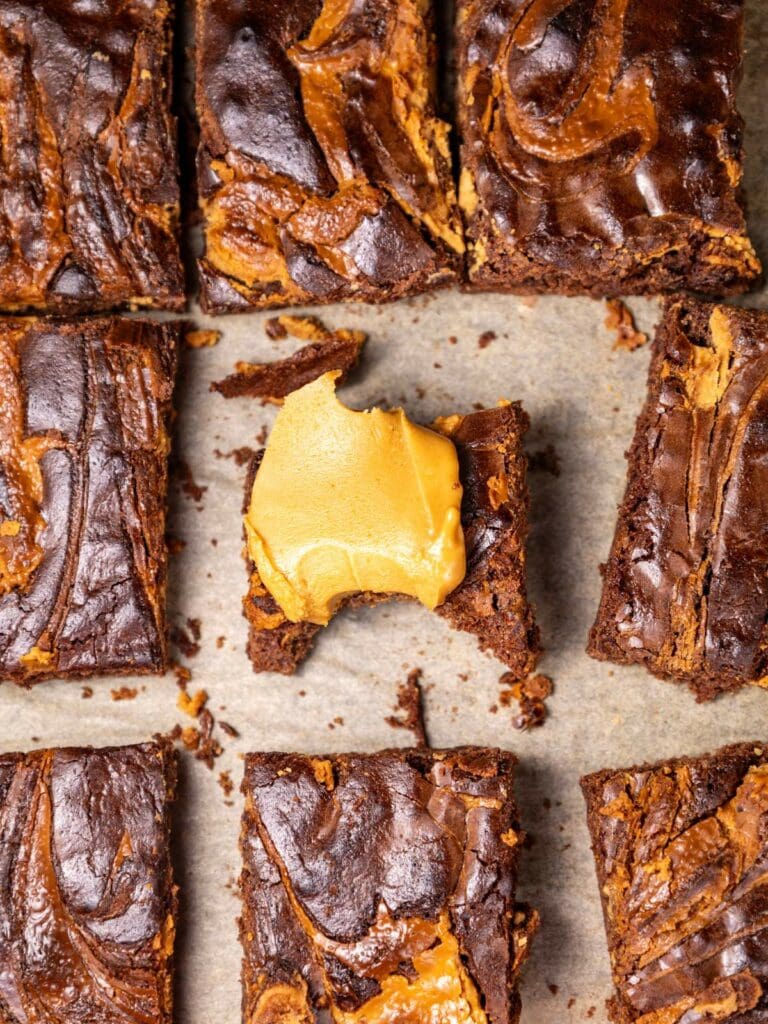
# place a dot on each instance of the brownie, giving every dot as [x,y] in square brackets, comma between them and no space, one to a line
[272,382]
[89,194]
[87,901]
[601,146]
[323,170]
[491,601]
[680,849]
[83,482]
[381,887]
[685,589]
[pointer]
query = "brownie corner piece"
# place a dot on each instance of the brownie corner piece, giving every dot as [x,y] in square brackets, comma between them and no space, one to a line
[594,159]
[685,591]
[322,180]
[89,173]
[87,897]
[680,849]
[383,885]
[83,487]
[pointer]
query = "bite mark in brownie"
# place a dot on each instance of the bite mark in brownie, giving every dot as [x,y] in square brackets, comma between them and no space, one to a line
[87,900]
[89,196]
[83,483]
[602,146]
[324,172]
[491,601]
[681,850]
[382,886]
[685,589]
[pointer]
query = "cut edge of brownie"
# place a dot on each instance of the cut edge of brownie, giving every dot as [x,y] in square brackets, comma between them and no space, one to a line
[523,920]
[495,582]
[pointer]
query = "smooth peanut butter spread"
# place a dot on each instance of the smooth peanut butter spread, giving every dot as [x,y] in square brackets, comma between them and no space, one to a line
[324,171]
[347,502]
[343,914]
[682,861]
[602,145]
[89,196]
[87,903]
[685,590]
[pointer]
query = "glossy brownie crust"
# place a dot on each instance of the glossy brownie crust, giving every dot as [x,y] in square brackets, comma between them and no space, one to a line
[491,601]
[324,173]
[88,166]
[685,589]
[681,849]
[83,484]
[356,865]
[602,146]
[87,902]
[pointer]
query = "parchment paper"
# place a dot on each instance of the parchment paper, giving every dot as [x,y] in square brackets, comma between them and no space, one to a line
[583,397]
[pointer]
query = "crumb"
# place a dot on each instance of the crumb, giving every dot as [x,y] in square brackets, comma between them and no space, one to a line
[619,319]
[438,366]
[530,694]
[486,338]
[420,392]
[302,693]
[552,988]
[87,692]
[192,705]
[261,437]
[453,340]
[229,730]
[125,693]
[174,544]
[274,329]
[591,1012]
[187,640]
[494,708]
[209,748]
[241,456]
[226,783]
[409,701]
[202,339]
[571,1003]
[220,641]
[545,460]
[182,673]
[182,473]
[547,803]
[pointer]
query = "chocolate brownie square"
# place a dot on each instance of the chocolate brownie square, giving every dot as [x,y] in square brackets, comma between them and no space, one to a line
[680,850]
[602,146]
[83,482]
[381,887]
[87,901]
[685,589]
[89,196]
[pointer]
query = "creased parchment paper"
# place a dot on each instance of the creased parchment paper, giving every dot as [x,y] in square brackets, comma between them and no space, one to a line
[555,355]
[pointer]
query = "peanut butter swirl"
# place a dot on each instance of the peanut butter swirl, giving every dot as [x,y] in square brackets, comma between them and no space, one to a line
[324,171]
[385,894]
[683,868]
[86,901]
[602,145]
[686,591]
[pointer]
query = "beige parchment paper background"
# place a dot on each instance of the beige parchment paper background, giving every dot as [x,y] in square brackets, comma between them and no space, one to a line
[557,356]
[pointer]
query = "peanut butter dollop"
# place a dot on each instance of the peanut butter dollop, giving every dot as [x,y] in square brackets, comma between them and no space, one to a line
[347,502]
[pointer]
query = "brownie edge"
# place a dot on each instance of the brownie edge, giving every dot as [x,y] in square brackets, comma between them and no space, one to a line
[680,848]
[381,883]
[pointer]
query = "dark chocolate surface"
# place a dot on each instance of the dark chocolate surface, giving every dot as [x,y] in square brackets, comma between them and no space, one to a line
[83,483]
[323,171]
[681,851]
[686,590]
[602,145]
[382,883]
[87,902]
[88,165]
[491,601]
